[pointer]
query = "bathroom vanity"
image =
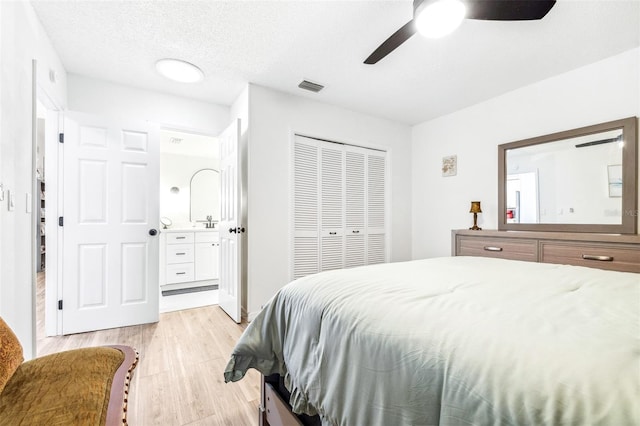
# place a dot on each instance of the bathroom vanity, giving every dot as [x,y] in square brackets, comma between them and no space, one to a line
[188,258]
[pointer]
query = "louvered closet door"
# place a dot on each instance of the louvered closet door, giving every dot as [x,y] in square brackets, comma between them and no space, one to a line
[376,207]
[355,206]
[306,245]
[331,206]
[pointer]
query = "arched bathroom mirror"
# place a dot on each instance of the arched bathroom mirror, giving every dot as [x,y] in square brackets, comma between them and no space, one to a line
[205,196]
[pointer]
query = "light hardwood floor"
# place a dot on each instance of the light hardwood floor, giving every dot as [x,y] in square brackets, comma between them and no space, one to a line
[179,379]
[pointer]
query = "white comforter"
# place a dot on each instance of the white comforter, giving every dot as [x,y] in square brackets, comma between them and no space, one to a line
[454,341]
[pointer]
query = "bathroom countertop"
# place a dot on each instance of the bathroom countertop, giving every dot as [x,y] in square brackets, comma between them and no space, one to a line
[190,229]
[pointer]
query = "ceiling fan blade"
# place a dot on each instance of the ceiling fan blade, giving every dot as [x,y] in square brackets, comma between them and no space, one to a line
[508,10]
[390,44]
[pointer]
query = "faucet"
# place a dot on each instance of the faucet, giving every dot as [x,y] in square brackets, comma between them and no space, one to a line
[210,223]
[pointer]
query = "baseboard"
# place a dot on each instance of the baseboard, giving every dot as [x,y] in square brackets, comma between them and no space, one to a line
[252,315]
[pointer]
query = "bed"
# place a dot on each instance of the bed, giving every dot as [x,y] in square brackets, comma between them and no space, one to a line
[450,341]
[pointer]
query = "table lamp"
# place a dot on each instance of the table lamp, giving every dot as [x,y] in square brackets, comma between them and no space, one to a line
[475,209]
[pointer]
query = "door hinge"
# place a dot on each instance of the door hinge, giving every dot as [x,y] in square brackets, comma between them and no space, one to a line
[60,304]
[61,137]
[61,221]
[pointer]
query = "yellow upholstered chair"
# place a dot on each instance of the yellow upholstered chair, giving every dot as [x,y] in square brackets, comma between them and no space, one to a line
[88,386]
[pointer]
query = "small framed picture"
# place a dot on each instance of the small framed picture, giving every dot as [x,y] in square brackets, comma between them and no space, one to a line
[449,165]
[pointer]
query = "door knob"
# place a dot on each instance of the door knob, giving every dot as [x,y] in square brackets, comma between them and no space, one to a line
[153,232]
[233,230]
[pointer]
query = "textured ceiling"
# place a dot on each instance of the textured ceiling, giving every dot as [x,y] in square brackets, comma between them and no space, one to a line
[189,144]
[279,43]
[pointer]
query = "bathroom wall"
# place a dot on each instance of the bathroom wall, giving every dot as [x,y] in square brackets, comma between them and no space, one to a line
[176,170]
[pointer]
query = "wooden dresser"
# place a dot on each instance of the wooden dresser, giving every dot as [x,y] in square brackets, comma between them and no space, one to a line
[603,251]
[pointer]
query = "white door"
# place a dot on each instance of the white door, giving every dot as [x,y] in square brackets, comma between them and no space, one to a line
[231,229]
[306,244]
[110,213]
[377,251]
[331,206]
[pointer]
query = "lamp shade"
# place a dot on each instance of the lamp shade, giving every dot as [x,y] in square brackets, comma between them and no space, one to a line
[475,207]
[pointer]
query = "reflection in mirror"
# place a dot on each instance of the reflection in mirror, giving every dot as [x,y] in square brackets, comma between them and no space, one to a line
[565,181]
[579,180]
[205,196]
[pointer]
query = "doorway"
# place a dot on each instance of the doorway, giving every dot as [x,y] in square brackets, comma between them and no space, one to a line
[189,211]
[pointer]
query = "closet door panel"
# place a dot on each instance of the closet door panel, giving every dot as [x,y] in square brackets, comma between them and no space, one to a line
[376,208]
[355,250]
[332,254]
[332,186]
[306,259]
[355,206]
[331,206]
[306,244]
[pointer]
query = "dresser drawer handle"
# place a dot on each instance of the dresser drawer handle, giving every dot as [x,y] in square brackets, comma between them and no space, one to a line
[491,248]
[599,258]
[180,238]
[181,273]
[180,254]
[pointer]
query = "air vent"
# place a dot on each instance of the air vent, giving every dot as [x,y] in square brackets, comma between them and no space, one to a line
[307,85]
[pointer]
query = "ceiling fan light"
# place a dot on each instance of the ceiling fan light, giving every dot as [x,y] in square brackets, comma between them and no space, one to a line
[439,18]
[181,71]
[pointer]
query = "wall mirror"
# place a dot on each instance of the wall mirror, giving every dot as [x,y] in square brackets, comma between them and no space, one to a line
[204,195]
[580,180]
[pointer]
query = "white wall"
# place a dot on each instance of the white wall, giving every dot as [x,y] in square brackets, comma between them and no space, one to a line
[172,112]
[274,117]
[604,91]
[22,39]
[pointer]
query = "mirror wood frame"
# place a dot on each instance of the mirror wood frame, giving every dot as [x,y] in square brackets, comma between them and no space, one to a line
[629,222]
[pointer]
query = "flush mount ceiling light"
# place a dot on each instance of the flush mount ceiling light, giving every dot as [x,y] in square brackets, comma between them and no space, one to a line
[440,17]
[181,71]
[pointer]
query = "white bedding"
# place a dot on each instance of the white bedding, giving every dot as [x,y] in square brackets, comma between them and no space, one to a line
[454,341]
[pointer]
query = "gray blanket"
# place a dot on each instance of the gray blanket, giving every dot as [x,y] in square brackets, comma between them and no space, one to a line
[454,341]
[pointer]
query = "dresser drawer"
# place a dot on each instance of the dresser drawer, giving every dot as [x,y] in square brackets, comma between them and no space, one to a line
[206,237]
[179,253]
[180,272]
[179,237]
[503,248]
[603,256]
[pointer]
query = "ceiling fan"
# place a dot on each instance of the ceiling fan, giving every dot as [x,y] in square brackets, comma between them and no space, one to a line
[436,18]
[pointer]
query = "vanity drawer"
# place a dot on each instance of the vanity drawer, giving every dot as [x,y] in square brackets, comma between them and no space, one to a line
[179,253]
[180,272]
[179,237]
[206,237]
[602,256]
[503,248]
